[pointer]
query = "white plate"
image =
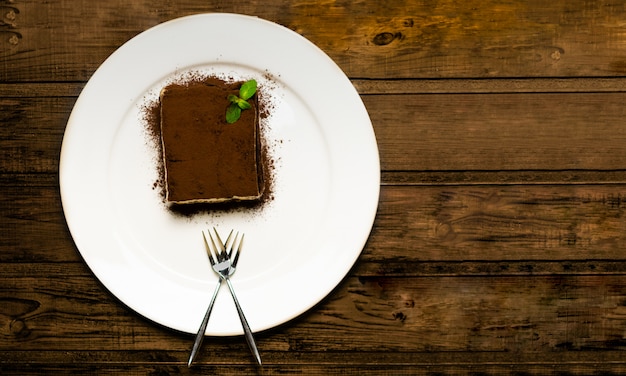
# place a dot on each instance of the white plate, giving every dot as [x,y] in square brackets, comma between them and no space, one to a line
[298,247]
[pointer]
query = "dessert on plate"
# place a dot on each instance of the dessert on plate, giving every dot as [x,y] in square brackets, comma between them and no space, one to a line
[208,158]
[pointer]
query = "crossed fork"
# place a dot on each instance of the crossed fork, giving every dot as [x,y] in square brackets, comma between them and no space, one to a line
[224,258]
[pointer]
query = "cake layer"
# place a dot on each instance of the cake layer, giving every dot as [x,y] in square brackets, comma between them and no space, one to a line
[206,159]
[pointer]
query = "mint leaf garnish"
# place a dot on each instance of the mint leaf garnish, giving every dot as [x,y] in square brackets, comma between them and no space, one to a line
[247,90]
[240,103]
[233,112]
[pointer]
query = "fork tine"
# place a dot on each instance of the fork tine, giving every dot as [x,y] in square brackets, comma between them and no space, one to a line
[209,250]
[236,251]
[231,247]
[218,246]
[223,246]
[218,250]
[227,250]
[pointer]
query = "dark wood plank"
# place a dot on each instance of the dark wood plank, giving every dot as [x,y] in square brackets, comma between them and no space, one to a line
[491,85]
[510,314]
[31,133]
[520,177]
[40,89]
[499,223]
[32,220]
[382,86]
[499,132]
[323,363]
[447,132]
[405,39]
[414,223]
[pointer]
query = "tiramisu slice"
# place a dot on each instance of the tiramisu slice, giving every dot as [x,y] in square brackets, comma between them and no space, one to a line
[206,159]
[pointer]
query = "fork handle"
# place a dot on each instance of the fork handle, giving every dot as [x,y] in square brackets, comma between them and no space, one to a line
[244,323]
[200,336]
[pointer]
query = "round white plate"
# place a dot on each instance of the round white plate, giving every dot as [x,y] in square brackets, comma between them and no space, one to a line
[298,246]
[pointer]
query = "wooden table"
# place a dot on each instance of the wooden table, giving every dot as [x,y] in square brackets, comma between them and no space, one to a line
[499,246]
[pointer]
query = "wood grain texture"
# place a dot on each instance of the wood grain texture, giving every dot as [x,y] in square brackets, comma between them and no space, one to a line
[32,132]
[499,131]
[333,364]
[413,223]
[499,223]
[498,245]
[525,314]
[33,224]
[401,39]
[415,132]
[417,319]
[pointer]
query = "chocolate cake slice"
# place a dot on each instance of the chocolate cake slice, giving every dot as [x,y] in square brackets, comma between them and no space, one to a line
[206,159]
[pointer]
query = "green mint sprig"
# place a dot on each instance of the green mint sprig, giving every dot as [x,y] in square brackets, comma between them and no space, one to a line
[240,103]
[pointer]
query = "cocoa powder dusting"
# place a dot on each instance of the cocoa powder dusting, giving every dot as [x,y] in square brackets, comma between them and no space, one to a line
[152,122]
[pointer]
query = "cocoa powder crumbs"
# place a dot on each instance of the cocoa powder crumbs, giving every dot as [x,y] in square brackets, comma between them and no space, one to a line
[152,128]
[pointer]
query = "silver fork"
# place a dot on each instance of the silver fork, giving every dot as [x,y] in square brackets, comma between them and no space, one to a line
[221,262]
[233,256]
